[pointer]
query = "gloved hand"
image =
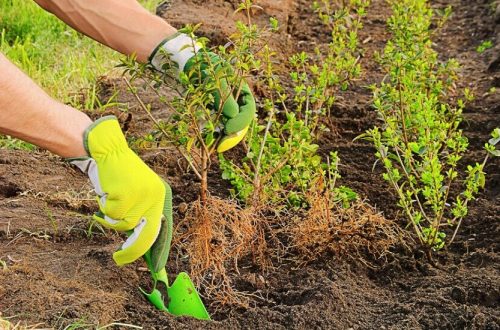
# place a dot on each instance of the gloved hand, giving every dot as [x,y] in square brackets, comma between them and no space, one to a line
[131,195]
[188,56]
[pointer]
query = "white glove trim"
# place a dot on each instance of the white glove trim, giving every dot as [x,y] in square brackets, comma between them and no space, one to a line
[89,167]
[179,49]
[135,235]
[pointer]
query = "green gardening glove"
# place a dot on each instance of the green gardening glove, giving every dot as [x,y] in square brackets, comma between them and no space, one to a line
[190,58]
[132,198]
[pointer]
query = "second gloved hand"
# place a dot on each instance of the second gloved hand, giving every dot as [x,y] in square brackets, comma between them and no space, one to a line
[238,110]
[131,196]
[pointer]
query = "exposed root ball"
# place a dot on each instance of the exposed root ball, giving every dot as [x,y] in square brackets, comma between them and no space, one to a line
[215,235]
[355,232]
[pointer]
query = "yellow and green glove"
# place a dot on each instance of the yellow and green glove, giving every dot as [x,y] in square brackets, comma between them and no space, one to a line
[187,55]
[132,198]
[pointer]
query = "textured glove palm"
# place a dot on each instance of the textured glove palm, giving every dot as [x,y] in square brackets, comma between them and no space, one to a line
[131,195]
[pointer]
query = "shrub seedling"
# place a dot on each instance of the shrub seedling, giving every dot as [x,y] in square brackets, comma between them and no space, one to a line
[282,163]
[420,143]
[214,232]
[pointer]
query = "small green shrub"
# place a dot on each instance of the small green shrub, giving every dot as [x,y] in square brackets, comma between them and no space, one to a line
[419,142]
[282,163]
[215,232]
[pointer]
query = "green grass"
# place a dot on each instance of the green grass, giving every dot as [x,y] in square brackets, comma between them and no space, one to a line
[63,62]
[7,142]
[66,64]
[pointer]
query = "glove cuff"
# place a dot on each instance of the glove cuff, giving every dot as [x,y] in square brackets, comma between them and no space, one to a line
[176,49]
[103,137]
[83,163]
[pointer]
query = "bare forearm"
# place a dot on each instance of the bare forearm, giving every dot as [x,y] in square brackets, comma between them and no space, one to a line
[28,113]
[123,25]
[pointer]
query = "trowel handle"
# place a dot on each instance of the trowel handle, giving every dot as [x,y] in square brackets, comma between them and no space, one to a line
[161,276]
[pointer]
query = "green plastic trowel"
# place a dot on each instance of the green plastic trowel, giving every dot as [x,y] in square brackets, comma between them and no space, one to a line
[182,298]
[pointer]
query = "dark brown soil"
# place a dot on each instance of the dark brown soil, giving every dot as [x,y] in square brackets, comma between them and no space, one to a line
[58,271]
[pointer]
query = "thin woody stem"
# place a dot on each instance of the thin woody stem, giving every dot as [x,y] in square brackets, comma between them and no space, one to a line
[158,125]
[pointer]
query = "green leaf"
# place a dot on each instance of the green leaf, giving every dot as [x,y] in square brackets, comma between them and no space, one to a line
[416,148]
[495,153]
[495,137]
[190,143]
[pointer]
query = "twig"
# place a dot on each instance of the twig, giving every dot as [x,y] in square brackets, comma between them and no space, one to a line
[155,121]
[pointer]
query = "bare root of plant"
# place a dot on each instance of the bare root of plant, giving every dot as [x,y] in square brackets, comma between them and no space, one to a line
[355,232]
[215,235]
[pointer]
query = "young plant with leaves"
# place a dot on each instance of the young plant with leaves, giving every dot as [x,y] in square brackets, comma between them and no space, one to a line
[203,100]
[420,142]
[200,100]
[282,163]
[319,77]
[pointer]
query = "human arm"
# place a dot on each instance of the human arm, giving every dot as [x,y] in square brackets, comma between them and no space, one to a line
[131,195]
[28,113]
[130,29]
[123,25]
